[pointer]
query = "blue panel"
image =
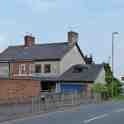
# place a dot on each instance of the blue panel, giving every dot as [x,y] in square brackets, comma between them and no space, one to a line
[72,88]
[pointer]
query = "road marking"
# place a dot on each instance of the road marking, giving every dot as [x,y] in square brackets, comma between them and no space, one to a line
[119,110]
[29,118]
[39,116]
[91,116]
[95,118]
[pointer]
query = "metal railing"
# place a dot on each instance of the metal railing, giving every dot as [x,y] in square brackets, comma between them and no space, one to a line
[16,107]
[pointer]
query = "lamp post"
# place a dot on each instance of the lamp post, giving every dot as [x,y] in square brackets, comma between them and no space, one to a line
[113,38]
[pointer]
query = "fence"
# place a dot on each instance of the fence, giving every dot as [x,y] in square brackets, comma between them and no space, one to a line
[54,101]
[14,108]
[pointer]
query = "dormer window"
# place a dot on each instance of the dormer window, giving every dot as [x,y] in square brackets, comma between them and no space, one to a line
[79,69]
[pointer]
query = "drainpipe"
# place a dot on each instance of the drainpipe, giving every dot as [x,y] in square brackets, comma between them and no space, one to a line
[58,89]
[9,70]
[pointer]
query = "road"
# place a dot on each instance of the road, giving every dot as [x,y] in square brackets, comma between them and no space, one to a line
[107,113]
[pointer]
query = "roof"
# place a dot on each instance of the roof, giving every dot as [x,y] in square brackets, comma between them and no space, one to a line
[36,52]
[86,73]
[39,78]
[51,51]
[45,79]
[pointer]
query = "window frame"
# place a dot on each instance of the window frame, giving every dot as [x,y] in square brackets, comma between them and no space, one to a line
[47,68]
[31,68]
[22,68]
[38,72]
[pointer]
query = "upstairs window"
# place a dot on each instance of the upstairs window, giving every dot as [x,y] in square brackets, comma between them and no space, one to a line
[38,68]
[31,68]
[22,69]
[47,68]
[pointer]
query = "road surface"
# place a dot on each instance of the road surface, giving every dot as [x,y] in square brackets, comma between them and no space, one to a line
[107,113]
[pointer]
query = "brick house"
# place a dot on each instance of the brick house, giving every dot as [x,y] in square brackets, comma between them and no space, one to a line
[27,69]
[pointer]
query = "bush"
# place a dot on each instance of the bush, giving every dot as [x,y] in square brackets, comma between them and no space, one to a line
[101,91]
[99,88]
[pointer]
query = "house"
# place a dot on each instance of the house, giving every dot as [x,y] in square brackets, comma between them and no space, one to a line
[81,77]
[27,69]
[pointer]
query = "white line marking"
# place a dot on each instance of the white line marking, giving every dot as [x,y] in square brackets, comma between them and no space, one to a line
[95,118]
[91,116]
[119,110]
[38,116]
[29,118]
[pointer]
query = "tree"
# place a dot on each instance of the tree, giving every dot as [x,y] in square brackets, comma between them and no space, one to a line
[117,87]
[108,73]
[116,83]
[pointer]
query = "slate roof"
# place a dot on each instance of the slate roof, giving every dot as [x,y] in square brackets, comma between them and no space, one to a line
[88,73]
[52,51]
[40,78]
[49,79]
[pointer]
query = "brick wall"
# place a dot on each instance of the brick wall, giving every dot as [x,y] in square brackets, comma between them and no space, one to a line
[19,88]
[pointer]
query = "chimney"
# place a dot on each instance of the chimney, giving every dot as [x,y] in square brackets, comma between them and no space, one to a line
[29,40]
[89,60]
[72,38]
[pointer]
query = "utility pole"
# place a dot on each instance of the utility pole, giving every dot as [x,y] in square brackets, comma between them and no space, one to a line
[113,38]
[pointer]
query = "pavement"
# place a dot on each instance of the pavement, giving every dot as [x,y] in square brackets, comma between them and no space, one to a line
[105,113]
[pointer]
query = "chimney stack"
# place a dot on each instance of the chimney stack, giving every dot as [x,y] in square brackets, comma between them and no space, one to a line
[29,40]
[72,38]
[89,59]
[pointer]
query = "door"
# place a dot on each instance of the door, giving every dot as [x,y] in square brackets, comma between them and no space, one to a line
[72,87]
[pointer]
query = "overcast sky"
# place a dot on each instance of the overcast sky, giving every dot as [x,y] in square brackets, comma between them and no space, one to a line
[49,20]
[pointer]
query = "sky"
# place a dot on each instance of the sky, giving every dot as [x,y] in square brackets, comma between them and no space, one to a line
[50,20]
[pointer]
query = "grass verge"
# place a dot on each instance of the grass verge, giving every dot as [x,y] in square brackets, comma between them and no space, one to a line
[119,98]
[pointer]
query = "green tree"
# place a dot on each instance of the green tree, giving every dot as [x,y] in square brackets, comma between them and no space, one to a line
[116,84]
[99,88]
[117,87]
[108,73]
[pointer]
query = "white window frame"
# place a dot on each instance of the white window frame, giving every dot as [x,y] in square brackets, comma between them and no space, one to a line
[31,68]
[45,69]
[21,67]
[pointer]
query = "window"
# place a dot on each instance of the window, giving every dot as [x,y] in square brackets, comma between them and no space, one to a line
[16,68]
[4,70]
[31,68]
[47,68]
[38,68]
[79,68]
[22,69]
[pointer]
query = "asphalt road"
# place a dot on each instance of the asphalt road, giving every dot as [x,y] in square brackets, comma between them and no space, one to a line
[107,113]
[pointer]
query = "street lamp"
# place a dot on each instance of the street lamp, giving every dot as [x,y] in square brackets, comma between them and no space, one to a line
[113,38]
